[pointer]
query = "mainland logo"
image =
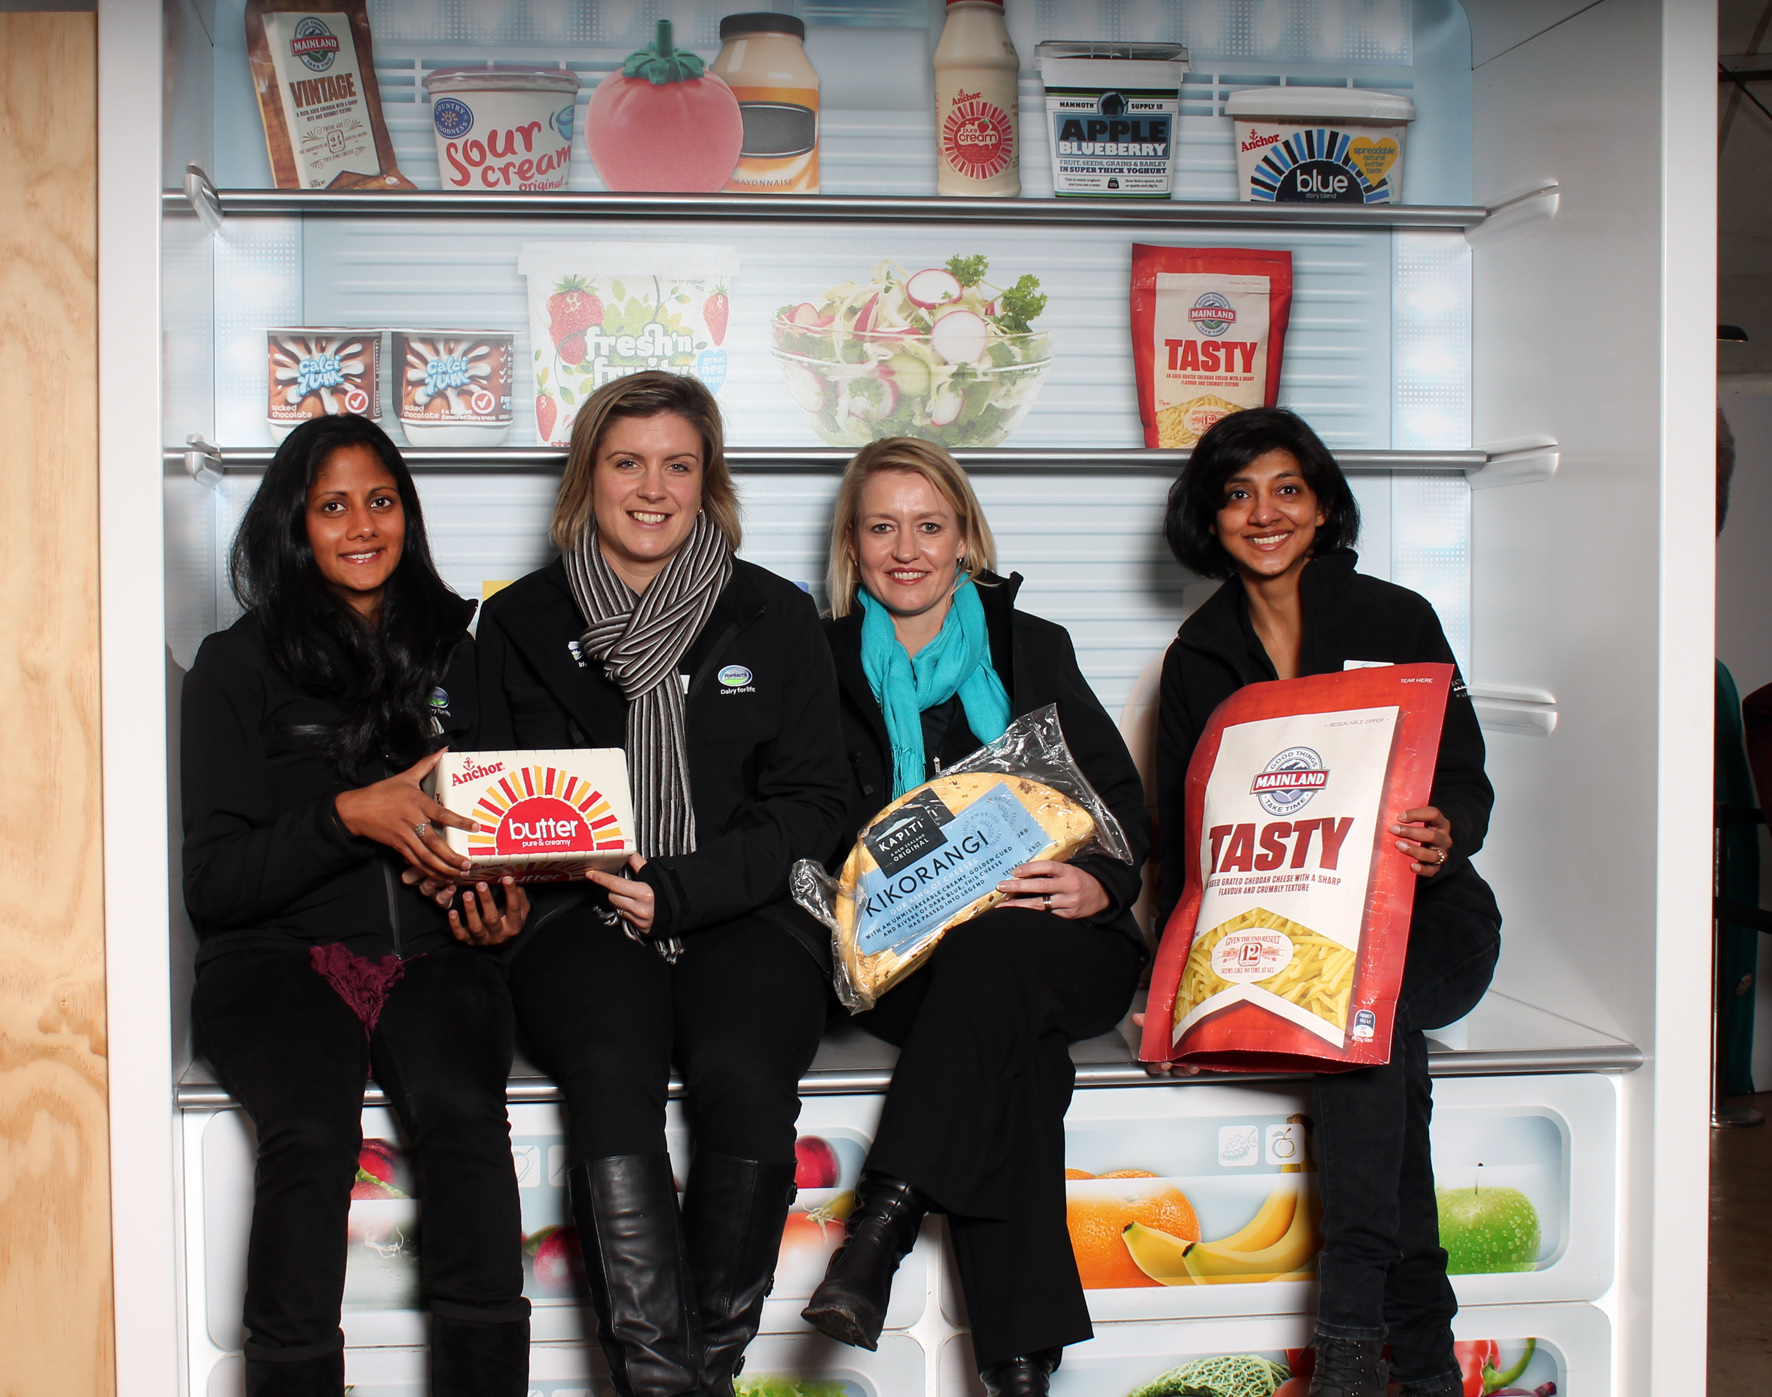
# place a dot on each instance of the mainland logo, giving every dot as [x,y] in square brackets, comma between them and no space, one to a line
[314,43]
[1286,784]
[1212,314]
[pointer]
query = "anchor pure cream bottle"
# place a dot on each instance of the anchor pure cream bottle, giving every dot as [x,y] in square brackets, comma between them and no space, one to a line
[977,150]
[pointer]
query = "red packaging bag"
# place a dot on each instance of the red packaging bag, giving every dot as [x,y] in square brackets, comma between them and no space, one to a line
[1286,949]
[1208,334]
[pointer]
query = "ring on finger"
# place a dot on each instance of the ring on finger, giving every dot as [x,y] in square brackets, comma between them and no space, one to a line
[422,828]
[1443,853]
[1048,906]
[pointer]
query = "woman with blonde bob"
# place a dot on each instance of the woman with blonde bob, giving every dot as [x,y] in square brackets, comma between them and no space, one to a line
[933,660]
[648,634]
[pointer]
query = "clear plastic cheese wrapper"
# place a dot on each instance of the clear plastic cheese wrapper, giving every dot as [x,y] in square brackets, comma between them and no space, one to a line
[544,816]
[1286,949]
[933,858]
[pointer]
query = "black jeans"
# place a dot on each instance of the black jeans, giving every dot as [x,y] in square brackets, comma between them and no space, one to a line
[741,1012]
[1382,1272]
[975,1114]
[295,1057]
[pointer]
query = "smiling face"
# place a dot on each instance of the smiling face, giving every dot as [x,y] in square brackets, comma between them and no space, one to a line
[907,544]
[1270,516]
[356,526]
[645,492]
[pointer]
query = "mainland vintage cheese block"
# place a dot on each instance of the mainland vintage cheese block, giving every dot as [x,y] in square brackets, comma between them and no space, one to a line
[545,816]
[933,858]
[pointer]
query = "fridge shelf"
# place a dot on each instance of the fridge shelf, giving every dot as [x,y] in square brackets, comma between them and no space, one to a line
[204,461]
[212,204]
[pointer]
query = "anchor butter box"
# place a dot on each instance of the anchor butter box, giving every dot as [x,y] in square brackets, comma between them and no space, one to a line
[544,816]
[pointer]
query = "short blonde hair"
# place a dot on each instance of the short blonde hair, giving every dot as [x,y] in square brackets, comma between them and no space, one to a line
[644,395]
[934,464]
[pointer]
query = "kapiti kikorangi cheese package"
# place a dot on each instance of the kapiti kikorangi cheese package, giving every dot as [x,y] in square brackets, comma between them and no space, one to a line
[544,816]
[1287,947]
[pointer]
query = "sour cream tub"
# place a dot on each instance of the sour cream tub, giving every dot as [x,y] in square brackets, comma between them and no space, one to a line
[1111,111]
[505,127]
[1319,145]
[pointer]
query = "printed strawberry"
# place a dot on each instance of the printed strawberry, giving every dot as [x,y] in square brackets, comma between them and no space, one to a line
[546,409]
[715,312]
[572,309]
[555,1261]
[376,1163]
[572,349]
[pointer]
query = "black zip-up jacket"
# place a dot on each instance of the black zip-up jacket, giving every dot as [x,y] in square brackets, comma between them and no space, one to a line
[1038,665]
[1347,616]
[267,864]
[765,761]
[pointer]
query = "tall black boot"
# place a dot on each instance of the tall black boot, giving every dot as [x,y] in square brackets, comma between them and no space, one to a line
[631,1233]
[850,1303]
[1349,1368]
[473,1358]
[1022,1377]
[322,1375]
[733,1212]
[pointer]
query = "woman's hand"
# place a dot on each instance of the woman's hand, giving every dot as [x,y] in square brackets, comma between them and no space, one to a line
[395,812]
[1166,1069]
[485,924]
[629,896]
[1426,838]
[1059,888]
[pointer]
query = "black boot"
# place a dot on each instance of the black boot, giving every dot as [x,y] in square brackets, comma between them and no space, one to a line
[1446,1385]
[472,1358]
[1021,1377]
[850,1303]
[733,1213]
[320,1376]
[1349,1368]
[631,1233]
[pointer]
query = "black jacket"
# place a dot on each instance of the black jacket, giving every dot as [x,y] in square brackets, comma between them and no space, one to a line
[267,865]
[1038,666]
[765,762]
[1347,616]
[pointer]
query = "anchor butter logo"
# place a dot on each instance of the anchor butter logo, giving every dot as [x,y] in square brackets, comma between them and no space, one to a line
[1287,783]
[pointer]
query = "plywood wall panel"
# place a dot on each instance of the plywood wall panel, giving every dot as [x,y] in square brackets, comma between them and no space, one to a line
[55,1275]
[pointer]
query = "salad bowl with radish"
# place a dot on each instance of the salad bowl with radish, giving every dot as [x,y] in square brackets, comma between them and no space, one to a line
[938,353]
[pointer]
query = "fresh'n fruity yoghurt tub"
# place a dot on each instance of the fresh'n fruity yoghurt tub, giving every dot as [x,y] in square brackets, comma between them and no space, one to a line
[1319,145]
[453,387]
[320,373]
[504,127]
[544,816]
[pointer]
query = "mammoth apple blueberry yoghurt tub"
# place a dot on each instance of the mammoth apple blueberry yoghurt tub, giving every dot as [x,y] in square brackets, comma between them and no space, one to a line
[1319,145]
[503,128]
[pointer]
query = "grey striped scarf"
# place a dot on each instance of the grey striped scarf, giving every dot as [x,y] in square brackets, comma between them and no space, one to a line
[639,640]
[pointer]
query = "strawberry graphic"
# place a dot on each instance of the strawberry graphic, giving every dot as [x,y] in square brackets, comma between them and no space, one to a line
[572,309]
[715,312]
[572,349]
[545,411]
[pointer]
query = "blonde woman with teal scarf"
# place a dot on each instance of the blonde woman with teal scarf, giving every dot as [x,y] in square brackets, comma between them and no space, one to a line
[933,660]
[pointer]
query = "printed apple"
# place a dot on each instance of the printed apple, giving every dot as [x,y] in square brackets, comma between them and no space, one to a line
[815,1163]
[1487,1229]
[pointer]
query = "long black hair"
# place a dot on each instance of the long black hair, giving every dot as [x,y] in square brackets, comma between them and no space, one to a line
[392,667]
[1229,445]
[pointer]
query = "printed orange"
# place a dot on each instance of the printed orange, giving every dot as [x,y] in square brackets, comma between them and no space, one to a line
[1099,1210]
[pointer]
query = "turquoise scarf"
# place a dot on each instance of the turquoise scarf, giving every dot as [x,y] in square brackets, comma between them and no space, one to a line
[957,661]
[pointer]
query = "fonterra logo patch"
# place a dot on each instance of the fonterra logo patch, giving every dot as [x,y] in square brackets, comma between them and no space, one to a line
[314,43]
[1212,314]
[540,810]
[1287,783]
[735,679]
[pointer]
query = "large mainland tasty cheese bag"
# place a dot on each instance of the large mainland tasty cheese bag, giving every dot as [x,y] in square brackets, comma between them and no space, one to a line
[932,859]
[1286,949]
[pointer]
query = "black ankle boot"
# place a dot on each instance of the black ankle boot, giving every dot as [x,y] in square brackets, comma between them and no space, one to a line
[1446,1385]
[850,1303]
[1349,1368]
[1021,1377]
[471,1358]
[733,1212]
[635,1260]
[320,1376]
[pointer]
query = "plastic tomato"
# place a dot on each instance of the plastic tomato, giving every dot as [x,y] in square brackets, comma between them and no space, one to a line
[663,124]
[1476,1357]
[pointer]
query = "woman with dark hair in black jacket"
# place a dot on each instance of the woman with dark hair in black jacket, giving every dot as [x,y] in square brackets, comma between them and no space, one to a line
[1263,504]
[648,634]
[307,726]
[933,659]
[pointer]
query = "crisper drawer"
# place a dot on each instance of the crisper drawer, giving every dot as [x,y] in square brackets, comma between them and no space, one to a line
[1548,1350]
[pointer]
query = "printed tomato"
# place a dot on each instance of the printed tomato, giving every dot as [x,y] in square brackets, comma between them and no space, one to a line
[664,124]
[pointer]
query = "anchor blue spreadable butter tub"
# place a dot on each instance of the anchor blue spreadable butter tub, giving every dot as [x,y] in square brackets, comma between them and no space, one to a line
[1111,111]
[1319,145]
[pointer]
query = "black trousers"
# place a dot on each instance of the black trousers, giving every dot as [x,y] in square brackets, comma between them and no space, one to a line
[741,1013]
[292,1053]
[975,1114]
[1382,1272]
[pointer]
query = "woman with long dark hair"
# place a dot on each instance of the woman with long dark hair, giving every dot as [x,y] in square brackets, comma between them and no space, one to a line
[307,727]
[1262,504]
[649,635]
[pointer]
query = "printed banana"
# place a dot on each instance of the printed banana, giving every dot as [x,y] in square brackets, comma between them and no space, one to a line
[1280,1240]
